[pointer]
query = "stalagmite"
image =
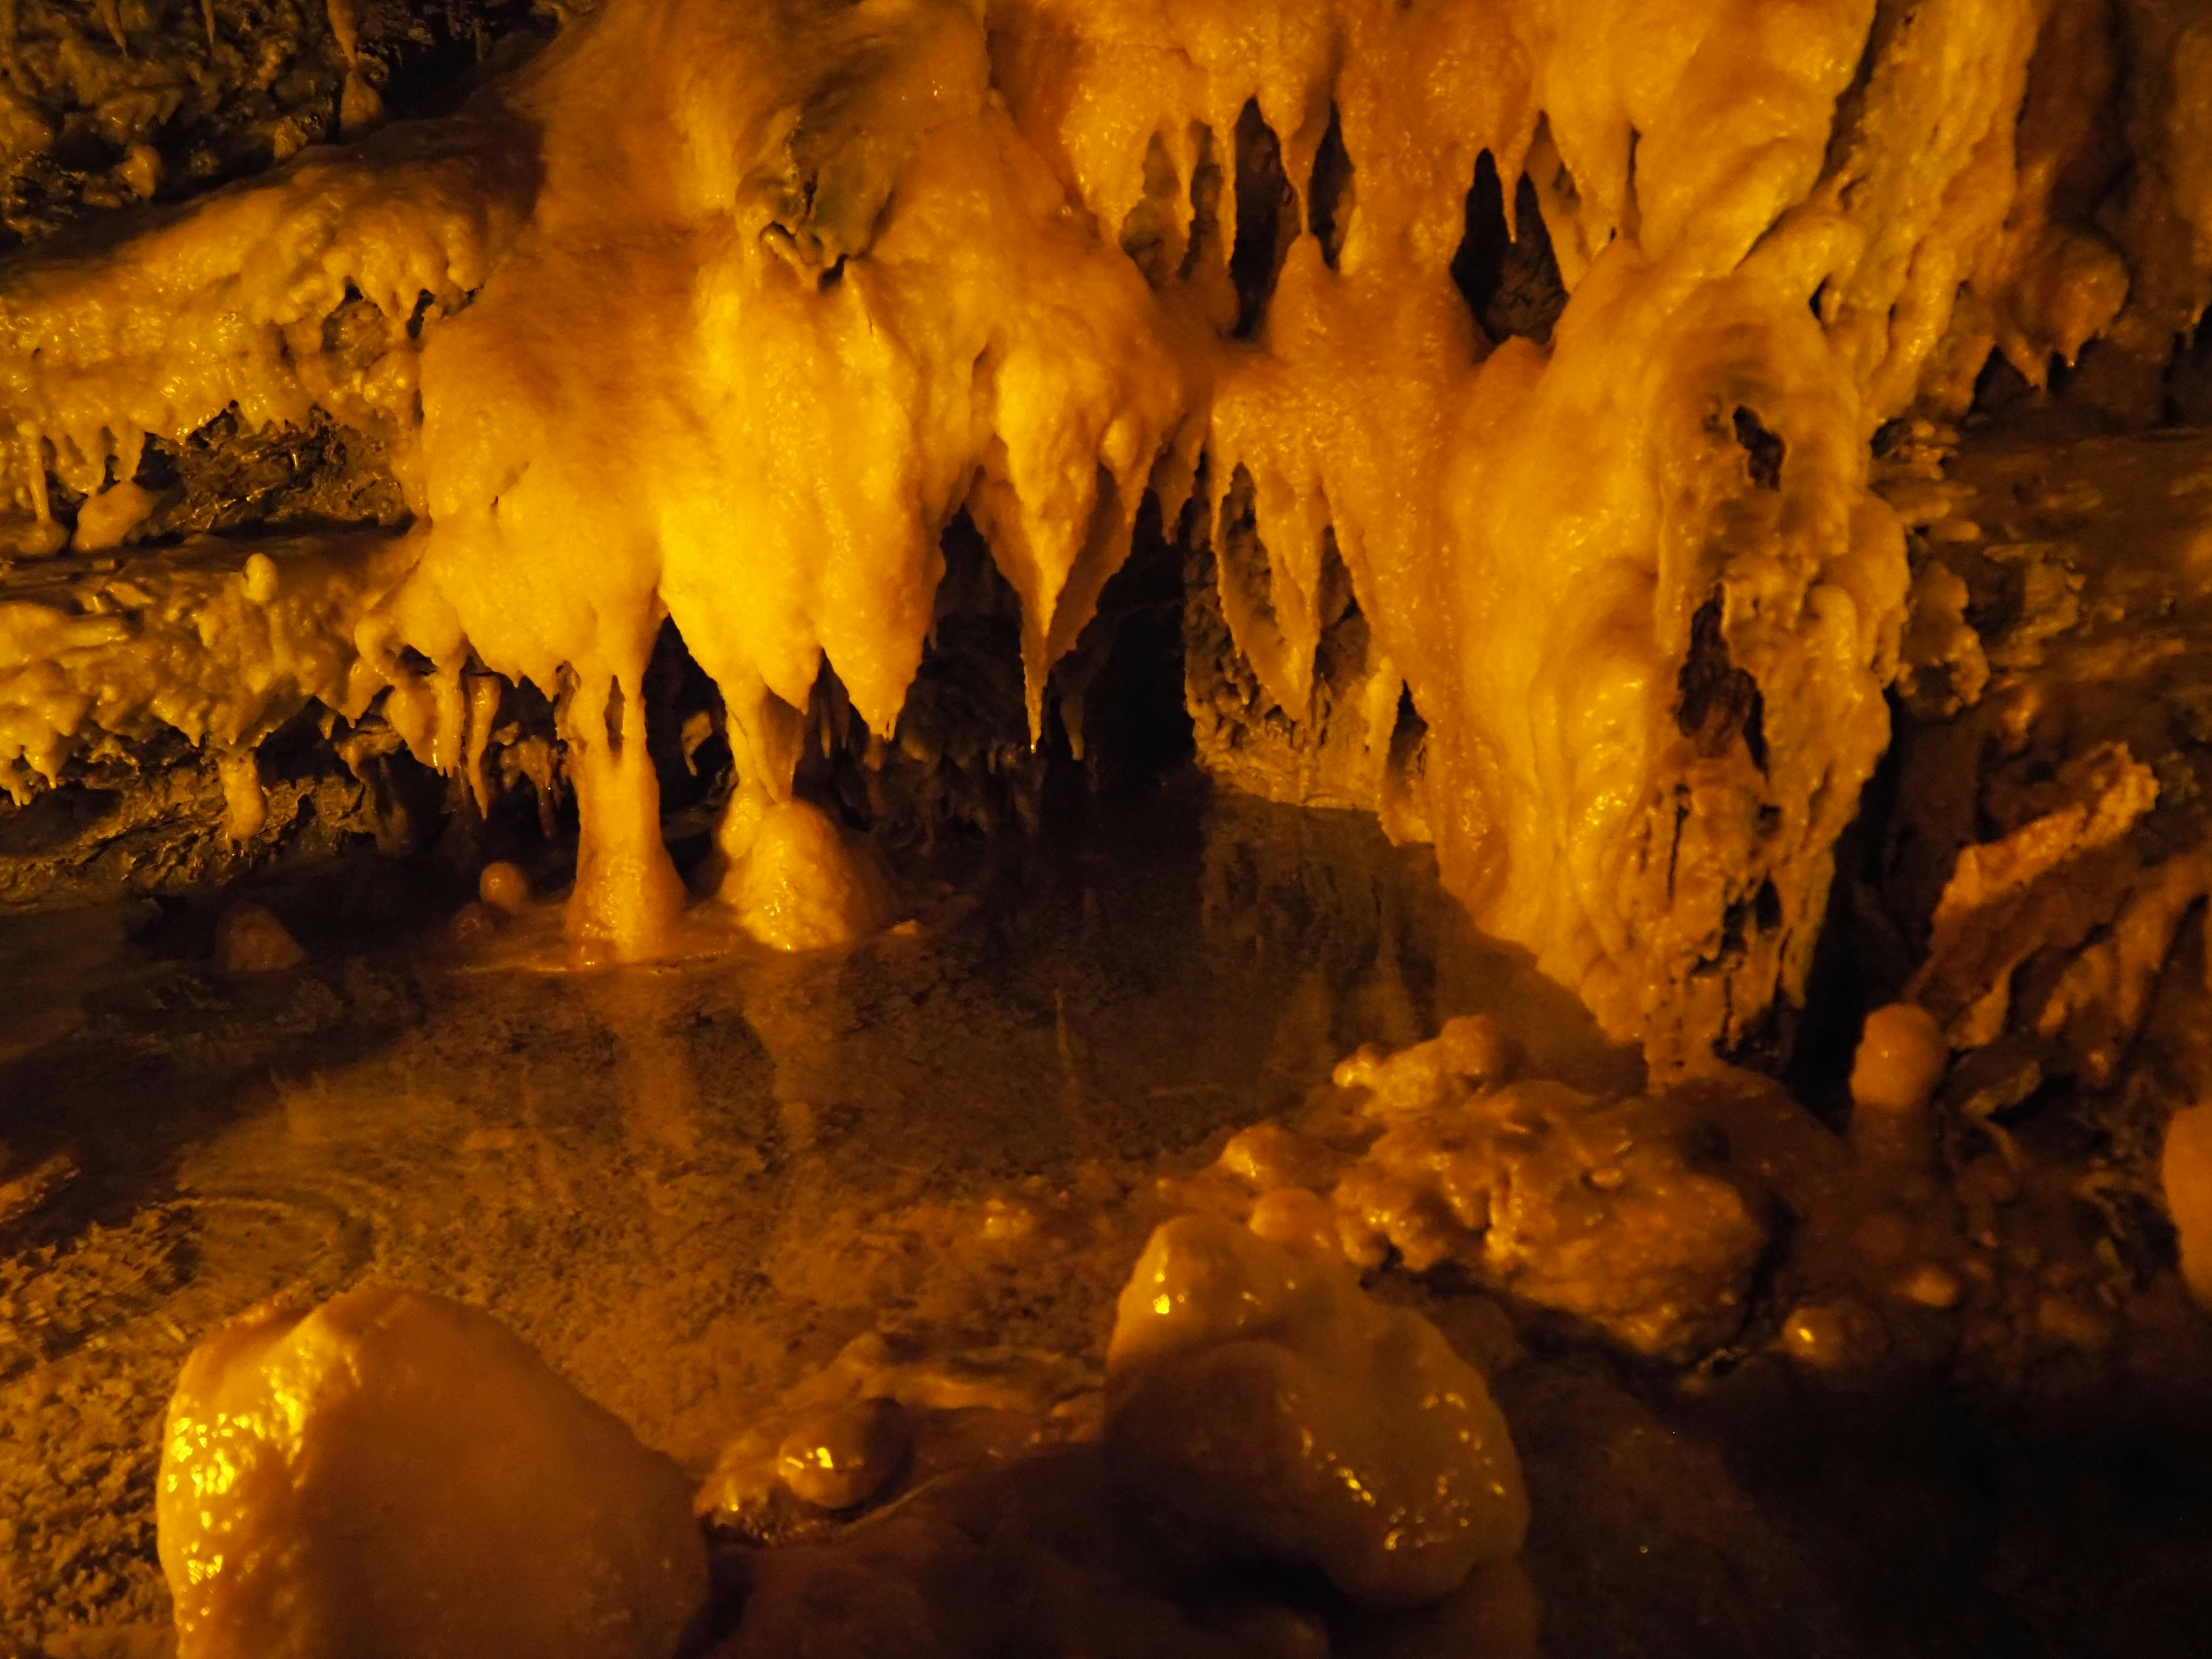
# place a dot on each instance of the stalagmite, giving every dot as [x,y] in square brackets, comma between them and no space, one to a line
[801,885]
[1901,1055]
[628,893]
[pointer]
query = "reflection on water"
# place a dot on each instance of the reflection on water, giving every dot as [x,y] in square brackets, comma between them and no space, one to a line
[685,1185]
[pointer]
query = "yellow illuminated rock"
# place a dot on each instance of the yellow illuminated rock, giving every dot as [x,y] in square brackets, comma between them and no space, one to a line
[1829,1337]
[504,888]
[1602,1209]
[802,885]
[105,519]
[1470,1051]
[720,313]
[1900,1060]
[840,1455]
[2185,1168]
[1259,1392]
[245,805]
[1644,1216]
[395,1476]
[627,896]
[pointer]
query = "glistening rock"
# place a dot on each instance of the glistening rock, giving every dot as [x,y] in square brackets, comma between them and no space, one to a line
[396,1476]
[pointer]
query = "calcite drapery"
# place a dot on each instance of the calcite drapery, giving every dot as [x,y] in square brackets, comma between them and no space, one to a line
[720,312]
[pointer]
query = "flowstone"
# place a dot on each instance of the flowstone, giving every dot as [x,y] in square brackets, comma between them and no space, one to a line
[850,273]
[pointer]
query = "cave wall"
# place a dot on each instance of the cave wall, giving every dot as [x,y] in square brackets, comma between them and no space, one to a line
[1538,520]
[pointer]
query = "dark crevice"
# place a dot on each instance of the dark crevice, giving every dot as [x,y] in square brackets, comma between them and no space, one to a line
[1733,934]
[1334,599]
[1243,555]
[1150,232]
[1205,182]
[1766,907]
[960,762]
[1267,219]
[1893,438]
[229,478]
[1845,134]
[2189,377]
[1136,726]
[1854,962]
[614,715]
[1512,283]
[2000,386]
[1409,723]
[1720,702]
[462,44]
[686,728]
[1409,738]
[1763,449]
[1330,194]
[1631,213]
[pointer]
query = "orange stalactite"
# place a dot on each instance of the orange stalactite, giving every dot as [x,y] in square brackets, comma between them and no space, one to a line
[721,313]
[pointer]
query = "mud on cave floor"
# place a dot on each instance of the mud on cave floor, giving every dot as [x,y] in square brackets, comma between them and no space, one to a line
[688,1187]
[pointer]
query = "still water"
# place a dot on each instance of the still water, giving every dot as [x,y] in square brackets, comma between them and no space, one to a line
[687,1185]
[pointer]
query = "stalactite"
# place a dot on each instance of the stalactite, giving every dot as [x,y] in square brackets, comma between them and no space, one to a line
[730,310]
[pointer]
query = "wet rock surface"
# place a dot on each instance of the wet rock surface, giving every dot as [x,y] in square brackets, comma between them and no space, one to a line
[922,1172]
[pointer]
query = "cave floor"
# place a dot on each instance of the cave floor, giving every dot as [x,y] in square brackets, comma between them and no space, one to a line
[691,1185]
